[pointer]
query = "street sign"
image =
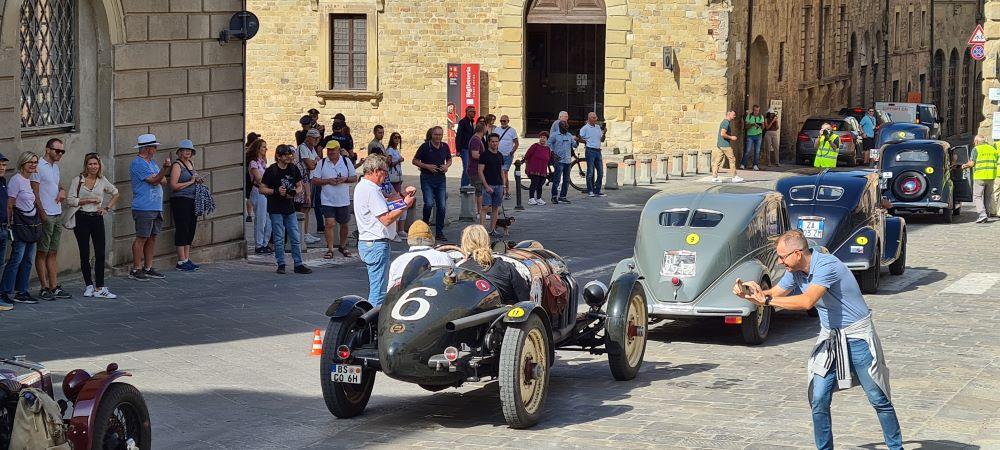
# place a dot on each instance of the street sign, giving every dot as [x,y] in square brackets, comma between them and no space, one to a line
[995,94]
[978,36]
[996,126]
[978,52]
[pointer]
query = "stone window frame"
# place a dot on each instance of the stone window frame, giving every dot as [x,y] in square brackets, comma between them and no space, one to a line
[323,89]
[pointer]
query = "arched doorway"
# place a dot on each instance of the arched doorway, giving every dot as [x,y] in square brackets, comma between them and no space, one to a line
[949,114]
[937,71]
[563,61]
[852,53]
[963,109]
[759,64]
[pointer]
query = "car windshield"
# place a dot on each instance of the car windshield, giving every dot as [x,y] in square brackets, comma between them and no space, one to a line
[816,124]
[706,218]
[674,217]
[829,193]
[802,193]
[912,156]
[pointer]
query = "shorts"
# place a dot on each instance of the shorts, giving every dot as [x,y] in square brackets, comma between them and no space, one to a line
[507,161]
[495,199]
[478,184]
[147,223]
[51,231]
[342,214]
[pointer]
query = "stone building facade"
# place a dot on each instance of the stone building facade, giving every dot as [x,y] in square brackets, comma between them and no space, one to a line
[958,96]
[97,73]
[990,74]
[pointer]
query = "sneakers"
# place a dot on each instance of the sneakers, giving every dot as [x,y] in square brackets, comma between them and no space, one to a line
[591,194]
[152,273]
[104,293]
[281,269]
[554,201]
[737,180]
[540,202]
[24,297]
[563,200]
[601,194]
[310,239]
[716,180]
[982,219]
[46,295]
[263,250]
[137,275]
[89,292]
[742,167]
[186,266]
[531,201]
[5,305]
[303,270]
[755,167]
[59,293]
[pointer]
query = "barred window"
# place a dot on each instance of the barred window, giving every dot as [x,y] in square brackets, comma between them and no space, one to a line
[48,64]
[348,52]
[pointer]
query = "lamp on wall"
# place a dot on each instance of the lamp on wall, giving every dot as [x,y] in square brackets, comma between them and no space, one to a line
[242,27]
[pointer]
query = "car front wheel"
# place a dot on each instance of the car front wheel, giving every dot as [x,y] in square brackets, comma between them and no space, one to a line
[524,372]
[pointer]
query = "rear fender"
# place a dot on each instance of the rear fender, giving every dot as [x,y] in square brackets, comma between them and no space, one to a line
[623,267]
[342,306]
[617,308]
[895,229]
[89,399]
[720,294]
[870,255]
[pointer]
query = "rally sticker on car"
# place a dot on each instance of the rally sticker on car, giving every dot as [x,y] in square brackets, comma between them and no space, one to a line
[678,263]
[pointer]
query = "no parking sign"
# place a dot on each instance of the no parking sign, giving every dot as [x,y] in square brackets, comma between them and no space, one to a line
[978,52]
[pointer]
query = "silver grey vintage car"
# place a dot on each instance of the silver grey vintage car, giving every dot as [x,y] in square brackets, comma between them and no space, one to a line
[691,248]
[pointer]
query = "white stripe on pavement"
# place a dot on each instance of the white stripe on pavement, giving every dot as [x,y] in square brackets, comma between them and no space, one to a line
[594,271]
[973,284]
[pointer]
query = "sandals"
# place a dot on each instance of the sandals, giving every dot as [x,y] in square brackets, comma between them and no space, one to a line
[344,251]
[328,254]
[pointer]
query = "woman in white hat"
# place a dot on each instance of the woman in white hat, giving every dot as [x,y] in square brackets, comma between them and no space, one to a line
[183,177]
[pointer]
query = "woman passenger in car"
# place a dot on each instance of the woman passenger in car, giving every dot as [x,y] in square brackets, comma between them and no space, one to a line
[503,275]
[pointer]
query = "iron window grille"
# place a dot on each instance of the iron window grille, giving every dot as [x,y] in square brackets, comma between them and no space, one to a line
[48,64]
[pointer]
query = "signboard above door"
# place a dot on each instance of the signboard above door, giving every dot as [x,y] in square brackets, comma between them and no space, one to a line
[567,12]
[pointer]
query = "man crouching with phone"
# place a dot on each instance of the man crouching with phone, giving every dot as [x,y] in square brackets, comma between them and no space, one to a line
[847,352]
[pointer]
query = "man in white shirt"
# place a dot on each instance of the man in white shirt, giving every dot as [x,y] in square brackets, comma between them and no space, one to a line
[591,135]
[306,158]
[508,146]
[334,175]
[49,195]
[376,223]
[421,244]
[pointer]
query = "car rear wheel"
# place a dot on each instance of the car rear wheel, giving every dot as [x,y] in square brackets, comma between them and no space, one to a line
[899,265]
[122,420]
[630,334]
[524,372]
[868,279]
[344,400]
[755,328]
[947,215]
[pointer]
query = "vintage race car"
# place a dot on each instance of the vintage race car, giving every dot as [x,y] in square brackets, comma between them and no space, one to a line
[443,327]
[691,248]
[843,212]
[923,177]
[106,414]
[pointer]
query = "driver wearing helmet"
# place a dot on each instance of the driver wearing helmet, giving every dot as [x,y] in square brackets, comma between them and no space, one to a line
[421,244]
[512,285]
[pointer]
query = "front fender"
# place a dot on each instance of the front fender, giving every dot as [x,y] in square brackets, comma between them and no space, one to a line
[895,231]
[522,310]
[617,309]
[343,305]
[82,421]
[718,299]
[870,252]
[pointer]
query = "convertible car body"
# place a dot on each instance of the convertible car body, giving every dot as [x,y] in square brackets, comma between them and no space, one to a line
[443,327]
[691,248]
[922,177]
[842,211]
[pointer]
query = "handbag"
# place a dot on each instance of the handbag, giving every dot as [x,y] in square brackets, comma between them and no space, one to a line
[24,227]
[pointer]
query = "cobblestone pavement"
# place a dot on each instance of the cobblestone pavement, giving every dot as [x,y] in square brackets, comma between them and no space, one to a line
[222,356]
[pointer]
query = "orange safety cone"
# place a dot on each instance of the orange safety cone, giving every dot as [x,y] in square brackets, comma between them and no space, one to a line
[317,348]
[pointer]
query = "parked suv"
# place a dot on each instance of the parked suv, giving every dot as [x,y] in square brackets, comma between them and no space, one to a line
[881,117]
[847,128]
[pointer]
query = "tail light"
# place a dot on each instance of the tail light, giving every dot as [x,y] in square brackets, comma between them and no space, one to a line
[734,320]
[847,138]
[804,137]
[451,354]
[675,281]
[343,352]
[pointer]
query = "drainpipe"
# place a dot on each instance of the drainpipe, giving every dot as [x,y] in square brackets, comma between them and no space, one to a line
[746,56]
[931,59]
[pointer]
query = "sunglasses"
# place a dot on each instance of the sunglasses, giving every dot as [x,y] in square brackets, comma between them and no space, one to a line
[58,150]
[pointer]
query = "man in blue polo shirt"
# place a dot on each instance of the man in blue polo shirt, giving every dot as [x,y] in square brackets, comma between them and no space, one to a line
[592,136]
[147,206]
[848,352]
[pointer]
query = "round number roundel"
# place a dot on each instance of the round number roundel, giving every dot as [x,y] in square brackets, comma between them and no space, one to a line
[423,306]
[693,239]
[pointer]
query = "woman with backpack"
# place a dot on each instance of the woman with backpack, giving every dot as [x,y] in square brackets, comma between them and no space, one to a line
[183,179]
[86,218]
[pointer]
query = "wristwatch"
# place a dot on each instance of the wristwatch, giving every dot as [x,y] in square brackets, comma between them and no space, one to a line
[767,300]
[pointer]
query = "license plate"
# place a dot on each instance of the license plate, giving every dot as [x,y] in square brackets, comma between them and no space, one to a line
[812,229]
[343,373]
[679,263]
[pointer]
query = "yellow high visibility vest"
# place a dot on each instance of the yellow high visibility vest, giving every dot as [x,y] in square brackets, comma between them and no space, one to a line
[827,151]
[986,163]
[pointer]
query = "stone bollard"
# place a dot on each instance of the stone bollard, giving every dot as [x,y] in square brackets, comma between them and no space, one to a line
[692,162]
[629,179]
[705,162]
[645,171]
[677,164]
[468,212]
[662,174]
[611,176]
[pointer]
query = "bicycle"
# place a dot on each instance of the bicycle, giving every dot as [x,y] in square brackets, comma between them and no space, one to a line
[577,175]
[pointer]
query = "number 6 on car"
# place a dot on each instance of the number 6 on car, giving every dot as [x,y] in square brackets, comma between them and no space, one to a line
[405,299]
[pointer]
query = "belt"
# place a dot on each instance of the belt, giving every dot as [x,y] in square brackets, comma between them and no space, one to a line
[87,213]
[378,240]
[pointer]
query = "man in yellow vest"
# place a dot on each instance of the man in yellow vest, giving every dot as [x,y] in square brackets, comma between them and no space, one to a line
[984,170]
[827,148]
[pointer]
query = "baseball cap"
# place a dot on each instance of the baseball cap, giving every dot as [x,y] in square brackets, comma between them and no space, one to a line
[313,111]
[284,150]
[333,145]
[305,120]
[3,158]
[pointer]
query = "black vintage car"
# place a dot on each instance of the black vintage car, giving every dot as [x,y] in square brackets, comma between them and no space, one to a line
[923,177]
[443,327]
[842,211]
[894,133]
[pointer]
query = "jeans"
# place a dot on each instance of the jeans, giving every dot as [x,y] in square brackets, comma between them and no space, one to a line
[822,395]
[464,155]
[561,173]
[90,227]
[317,209]
[281,223]
[4,233]
[433,188]
[594,161]
[375,255]
[22,255]
[261,220]
[752,147]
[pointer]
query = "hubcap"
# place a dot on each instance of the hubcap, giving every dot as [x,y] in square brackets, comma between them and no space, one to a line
[533,367]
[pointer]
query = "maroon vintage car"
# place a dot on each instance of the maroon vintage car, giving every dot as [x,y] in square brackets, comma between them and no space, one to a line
[105,414]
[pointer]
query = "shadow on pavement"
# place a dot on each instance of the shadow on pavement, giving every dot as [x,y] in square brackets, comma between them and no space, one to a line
[786,327]
[929,276]
[928,445]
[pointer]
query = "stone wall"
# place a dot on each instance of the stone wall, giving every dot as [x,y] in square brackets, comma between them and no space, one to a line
[954,22]
[988,68]
[647,108]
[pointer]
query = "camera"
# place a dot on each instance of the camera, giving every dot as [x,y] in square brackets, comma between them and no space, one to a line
[290,192]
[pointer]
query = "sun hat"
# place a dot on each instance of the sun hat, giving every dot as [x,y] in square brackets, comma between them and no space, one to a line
[146,140]
[419,233]
[186,144]
[313,133]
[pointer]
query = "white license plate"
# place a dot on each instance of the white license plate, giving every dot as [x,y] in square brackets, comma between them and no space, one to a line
[343,373]
[812,229]
[679,263]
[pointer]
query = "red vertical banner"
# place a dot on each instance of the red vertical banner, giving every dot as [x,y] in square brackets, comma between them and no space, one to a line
[463,91]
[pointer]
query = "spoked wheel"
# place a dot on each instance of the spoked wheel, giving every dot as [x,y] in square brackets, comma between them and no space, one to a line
[578,175]
[122,420]
[524,372]
[343,399]
[631,336]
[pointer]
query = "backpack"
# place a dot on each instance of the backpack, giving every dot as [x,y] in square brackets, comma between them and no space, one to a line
[38,423]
